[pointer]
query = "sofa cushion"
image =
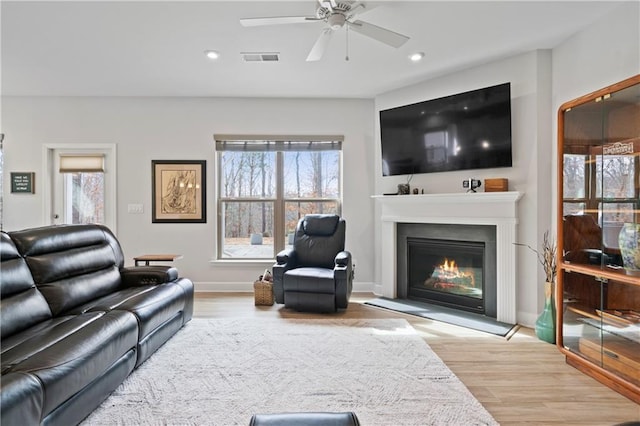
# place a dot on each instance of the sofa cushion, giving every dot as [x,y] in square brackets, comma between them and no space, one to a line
[68,293]
[73,362]
[318,239]
[309,280]
[22,399]
[49,239]
[22,305]
[151,304]
[320,224]
[71,264]
[22,346]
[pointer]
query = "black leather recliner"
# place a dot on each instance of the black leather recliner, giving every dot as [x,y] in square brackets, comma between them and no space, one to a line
[317,274]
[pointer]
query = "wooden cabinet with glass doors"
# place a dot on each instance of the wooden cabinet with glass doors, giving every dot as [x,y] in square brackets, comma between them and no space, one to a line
[598,287]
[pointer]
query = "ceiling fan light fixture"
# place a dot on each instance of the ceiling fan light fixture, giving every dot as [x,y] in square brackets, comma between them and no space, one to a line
[416,57]
[212,54]
[336,21]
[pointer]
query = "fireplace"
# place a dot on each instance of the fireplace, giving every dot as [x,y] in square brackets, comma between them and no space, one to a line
[449,265]
[495,209]
[449,273]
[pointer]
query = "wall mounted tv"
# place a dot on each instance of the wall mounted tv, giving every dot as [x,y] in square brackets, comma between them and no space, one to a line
[470,130]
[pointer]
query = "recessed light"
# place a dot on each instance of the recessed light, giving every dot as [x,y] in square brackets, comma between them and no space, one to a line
[212,54]
[416,57]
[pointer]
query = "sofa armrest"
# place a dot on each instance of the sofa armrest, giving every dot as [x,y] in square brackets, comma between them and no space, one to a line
[146,275]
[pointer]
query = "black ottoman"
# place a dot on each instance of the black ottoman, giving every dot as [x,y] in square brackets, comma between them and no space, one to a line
[305,419]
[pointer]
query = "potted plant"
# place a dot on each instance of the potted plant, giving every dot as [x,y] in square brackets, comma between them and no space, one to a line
[546,322]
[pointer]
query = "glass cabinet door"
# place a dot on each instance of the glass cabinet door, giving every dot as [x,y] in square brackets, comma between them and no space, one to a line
[600,215]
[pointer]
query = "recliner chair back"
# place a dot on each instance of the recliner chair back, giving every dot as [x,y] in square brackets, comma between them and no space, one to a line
[318,239]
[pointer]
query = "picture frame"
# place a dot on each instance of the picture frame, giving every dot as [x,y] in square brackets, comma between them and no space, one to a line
[179,191]
[23,182]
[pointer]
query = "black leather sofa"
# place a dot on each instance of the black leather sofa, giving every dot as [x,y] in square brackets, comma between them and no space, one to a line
[75,322]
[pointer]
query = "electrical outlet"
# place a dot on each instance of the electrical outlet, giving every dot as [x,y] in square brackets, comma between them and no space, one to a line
[135,208]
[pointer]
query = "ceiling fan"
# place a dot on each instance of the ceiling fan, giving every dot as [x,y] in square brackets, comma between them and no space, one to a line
[336,14]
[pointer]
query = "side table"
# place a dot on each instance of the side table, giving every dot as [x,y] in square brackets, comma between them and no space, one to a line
[146,258]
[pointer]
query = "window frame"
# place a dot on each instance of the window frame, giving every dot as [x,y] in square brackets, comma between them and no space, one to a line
[279,201]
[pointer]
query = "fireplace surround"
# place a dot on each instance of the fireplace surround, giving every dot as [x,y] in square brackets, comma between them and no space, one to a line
[449,265]
[497,209]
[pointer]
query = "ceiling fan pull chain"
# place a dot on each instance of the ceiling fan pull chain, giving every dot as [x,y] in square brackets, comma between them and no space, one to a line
[346,58]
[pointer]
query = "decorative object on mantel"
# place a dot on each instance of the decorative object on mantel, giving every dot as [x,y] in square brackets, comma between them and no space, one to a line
[471,184]
[546,322]
[496,185]
[404,188]
[629,243]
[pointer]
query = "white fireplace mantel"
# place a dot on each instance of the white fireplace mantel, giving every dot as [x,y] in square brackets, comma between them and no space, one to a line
[482,208]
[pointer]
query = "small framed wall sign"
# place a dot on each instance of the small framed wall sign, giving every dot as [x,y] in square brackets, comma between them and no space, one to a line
[23,182]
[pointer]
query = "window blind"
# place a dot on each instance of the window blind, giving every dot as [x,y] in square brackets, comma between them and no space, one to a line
[299,143]
[82,163]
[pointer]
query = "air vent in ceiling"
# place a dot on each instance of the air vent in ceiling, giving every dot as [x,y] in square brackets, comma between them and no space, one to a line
[260,56]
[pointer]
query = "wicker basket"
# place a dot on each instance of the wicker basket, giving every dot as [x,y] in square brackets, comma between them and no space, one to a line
[263,292]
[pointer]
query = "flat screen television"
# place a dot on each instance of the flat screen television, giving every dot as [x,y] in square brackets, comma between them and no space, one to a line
[470,130]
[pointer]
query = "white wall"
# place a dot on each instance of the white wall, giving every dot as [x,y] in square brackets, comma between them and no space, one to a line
[529,75]
[146,129]
[181,128]
[605,52]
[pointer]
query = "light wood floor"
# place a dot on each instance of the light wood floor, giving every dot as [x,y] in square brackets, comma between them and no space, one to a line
[520,381]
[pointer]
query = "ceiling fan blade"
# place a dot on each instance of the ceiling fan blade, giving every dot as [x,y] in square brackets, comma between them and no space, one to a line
[329,4]
[277,20]
[357,5]
[383,35]
[320,45]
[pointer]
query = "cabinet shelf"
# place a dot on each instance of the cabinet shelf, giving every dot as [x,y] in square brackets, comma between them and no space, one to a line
[608,272]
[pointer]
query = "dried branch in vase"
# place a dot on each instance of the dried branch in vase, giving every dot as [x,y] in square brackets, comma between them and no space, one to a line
[547,257]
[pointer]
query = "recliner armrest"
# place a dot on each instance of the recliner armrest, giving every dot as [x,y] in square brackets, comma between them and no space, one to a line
[286,256]
[145,275]
[343,258]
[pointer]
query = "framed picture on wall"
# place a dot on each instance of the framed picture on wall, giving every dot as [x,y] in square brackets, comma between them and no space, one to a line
[179,191]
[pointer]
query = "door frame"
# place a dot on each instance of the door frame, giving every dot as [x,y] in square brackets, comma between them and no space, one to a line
[49,162]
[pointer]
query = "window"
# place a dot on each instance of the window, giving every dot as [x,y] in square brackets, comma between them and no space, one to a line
[81,184]
[83,188]
[266,186]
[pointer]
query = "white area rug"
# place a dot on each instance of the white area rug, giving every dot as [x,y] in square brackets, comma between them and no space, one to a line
[221,372]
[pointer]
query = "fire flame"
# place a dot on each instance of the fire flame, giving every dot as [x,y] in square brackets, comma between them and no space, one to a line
[449,267]
[449,270]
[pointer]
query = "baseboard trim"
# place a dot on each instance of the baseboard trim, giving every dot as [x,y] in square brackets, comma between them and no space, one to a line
[244,287]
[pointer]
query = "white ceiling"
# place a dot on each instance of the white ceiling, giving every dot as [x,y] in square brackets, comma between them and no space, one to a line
[155,48]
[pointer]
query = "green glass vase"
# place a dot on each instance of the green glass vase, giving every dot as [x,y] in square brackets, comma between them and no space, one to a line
[546,322]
